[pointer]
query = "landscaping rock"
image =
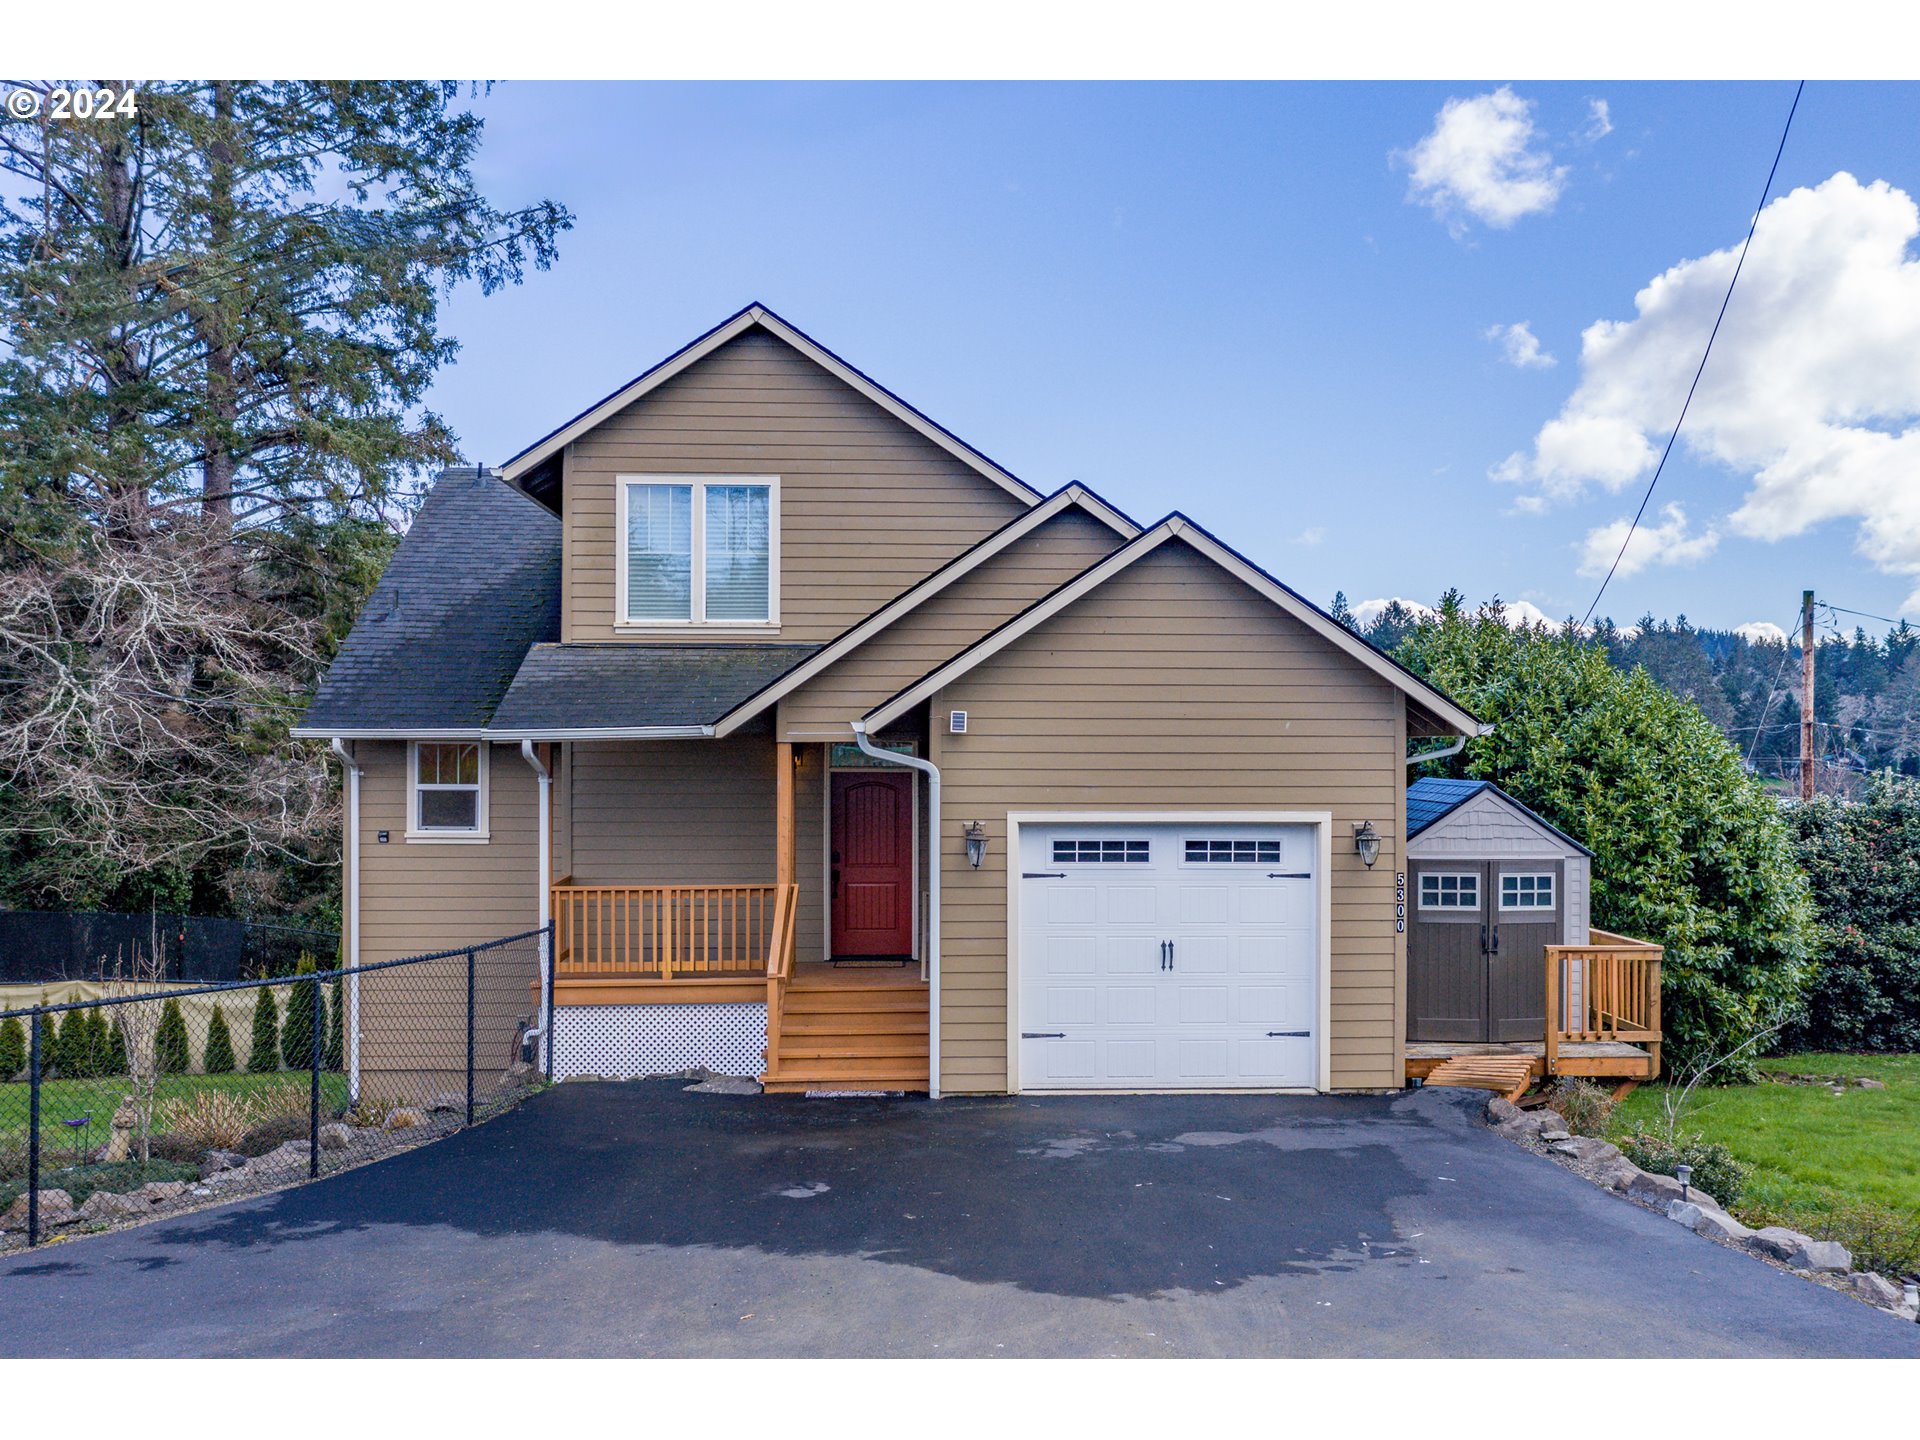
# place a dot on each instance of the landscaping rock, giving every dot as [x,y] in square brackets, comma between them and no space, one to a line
[1660,1190]
[159,1192]
[1866,1083]
[1777,1241]
[1822,1257]
[1875,1289]
[1716,1224]
[284,1155]
[1554,1136]
[104,1205]
[1615,1174]
[218,1160]
[1685,1212]
[446,1102]
[335,1136]
[56,1208]
[725,1085]
[1502,1111]
[520,1072]
[1545,1120]
[1588,1149]
[405,1118]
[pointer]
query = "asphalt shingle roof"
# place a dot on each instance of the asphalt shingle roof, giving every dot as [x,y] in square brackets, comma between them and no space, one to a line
[615,686]
[475,582]
[1432,798]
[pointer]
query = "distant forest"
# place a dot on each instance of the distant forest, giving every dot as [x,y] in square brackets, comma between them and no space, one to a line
[1866,704]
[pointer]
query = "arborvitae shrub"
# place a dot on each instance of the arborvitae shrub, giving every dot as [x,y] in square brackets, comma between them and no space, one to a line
[296,1034]
[117,1049]
[70,1046]
[99,1043]
[172,1052]
[13,1047]
[219,1059]
[263,1054]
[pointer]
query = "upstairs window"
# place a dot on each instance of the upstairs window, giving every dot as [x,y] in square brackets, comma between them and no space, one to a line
[699,551]
[448,782]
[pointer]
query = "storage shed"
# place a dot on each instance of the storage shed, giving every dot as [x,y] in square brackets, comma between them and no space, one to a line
[1491,885]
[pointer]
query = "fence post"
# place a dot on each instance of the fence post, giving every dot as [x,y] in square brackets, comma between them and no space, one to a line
[313,1109]
[33,1129]
[548,1035]
[470,978]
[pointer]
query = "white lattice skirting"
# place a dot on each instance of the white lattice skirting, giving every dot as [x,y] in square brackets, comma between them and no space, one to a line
[622,1042]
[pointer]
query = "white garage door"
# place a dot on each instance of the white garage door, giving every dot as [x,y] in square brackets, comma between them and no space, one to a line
[1160,956]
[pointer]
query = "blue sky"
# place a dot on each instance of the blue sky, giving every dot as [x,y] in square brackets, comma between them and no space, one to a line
[1227,299]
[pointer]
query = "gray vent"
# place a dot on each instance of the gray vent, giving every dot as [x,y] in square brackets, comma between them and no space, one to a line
[957,722]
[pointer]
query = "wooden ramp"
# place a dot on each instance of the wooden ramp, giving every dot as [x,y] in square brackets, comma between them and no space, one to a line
[1508,1075]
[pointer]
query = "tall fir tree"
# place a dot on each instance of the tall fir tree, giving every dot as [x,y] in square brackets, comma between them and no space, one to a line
[263,1051]
[172,1049]
[117,1063]
[296,1032]
[13,1047]
[219,1058]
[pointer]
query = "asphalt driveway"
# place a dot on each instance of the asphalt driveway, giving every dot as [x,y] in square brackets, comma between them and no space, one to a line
[637,1219]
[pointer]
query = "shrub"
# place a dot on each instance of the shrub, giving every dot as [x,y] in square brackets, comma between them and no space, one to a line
[13,1047]
[296,1034]
[1583,1105]
[117,1049]
[208,1120]
[264,1052]
[273,1132]
[270,1102]
[99,1043]
[219,1058]
[335,1056]
[172,1051]
[1878,1236]
[1714,1168]
[70,1046]
[116,1178]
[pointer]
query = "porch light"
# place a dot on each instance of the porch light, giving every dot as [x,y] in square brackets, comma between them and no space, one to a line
[1366,840]
[976,836]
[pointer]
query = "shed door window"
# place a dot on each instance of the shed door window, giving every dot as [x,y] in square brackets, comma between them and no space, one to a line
[1526,892]
[1447,890]
[447,787]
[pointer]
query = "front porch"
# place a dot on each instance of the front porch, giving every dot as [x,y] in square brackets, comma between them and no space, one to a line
[1603,1009]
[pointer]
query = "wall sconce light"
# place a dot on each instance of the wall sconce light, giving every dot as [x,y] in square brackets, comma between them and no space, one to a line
[976,836]
[1366,840]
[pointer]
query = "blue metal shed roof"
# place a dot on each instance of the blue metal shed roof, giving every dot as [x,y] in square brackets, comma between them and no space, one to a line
[1433,797]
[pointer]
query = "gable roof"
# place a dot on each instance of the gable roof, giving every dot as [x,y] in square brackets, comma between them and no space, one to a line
[1178,527]
[961,565]
[1432,798]
[475,581]
[618,690]
[738,324]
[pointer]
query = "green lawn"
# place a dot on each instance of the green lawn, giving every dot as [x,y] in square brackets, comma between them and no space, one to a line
[1814,1153]
[64,1100]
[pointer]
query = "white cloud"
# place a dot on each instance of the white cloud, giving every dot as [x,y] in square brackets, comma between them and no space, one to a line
[1312,535]
[1761,632]
[1518,612]
[1812,395]
[1520,347]
[1671,542]
[1479,160]
[1599,121]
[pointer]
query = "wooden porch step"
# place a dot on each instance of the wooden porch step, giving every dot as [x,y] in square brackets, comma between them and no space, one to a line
[896,1023]
[842,999]
[857,1047]
[798,1080]
[1508,1075]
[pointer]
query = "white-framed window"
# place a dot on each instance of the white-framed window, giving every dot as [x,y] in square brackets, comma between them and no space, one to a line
[1233,852]
[1527,891]
[1450,890]
[698,550]
[1102,852]
[447,790]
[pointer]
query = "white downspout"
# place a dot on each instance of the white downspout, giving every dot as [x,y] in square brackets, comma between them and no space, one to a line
[545,775]
[352,899]
[932,772]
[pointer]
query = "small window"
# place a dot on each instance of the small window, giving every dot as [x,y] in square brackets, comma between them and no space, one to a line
[1450,891]
[1100,852]
[1526,892]
[1233,852]
[447,780]
[699,552]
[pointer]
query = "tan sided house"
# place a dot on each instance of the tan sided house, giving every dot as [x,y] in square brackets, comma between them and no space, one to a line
[838,756]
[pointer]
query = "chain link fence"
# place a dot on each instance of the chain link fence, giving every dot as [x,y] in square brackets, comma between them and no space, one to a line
[44,946]
[157,1098]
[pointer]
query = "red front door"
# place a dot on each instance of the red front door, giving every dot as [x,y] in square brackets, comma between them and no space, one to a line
[872,863]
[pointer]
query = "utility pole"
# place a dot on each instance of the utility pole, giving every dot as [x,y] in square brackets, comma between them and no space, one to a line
[1806,694]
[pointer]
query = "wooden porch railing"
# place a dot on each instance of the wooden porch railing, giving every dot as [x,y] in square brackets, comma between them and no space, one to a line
[780,955]
[1607,989]
[667,932]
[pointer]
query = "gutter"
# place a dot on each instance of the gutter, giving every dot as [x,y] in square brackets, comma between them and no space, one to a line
[1448,750]
[351,772]
[932,772]
[545,883]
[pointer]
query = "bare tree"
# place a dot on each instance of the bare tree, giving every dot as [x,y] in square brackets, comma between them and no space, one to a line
[139,1021]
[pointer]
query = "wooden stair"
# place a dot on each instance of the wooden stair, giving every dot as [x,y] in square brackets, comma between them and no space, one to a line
[838,1033]
[1508,1075]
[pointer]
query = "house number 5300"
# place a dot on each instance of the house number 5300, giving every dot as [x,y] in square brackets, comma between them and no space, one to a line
[1400,902]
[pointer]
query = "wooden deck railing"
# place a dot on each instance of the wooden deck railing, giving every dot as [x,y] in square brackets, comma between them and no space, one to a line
[780,956]
[667,932]
[1607,989]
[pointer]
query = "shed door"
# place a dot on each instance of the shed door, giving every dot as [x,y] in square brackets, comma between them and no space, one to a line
[1158,956]
[1525,910]
[1447,944]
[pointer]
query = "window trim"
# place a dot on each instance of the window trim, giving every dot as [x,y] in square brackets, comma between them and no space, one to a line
[1420,892]
[1553,892]
[697,580]
[1208,862]
[1126,856]
[480,834]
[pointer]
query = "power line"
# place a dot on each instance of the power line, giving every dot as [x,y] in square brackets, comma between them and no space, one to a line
[1864,615]
[1773,691]
[1741,262]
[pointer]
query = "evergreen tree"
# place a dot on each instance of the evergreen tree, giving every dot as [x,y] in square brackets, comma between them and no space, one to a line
[336,1042]
[70,1045]
[219,1058]
[13,1047]
[99,1042]
[117,1049]
[263,1054]
[296,1034]
[172,1051]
